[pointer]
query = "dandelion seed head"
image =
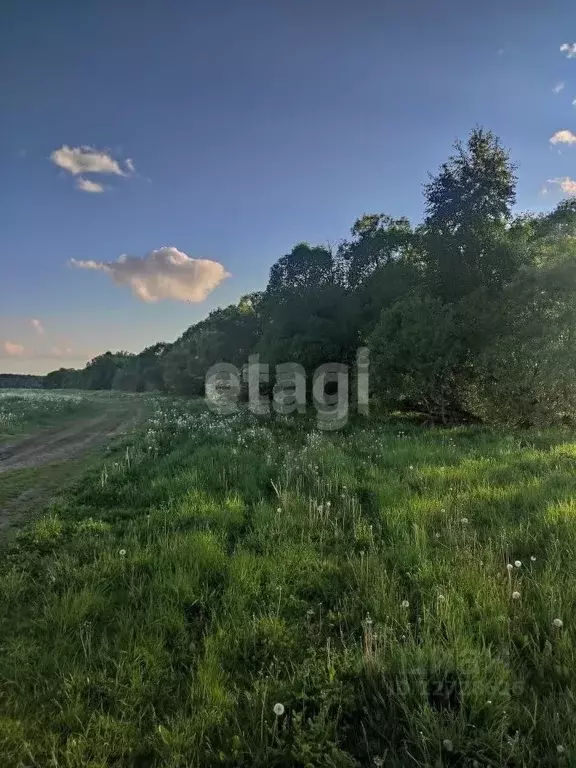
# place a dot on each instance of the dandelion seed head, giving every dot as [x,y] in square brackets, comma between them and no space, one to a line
[122,552]
[515,595]
[447,744]
[517,563]
[533,558]
[510,567]
[560,749]
[558,623]
[464,521]
[278,709]
[405,604]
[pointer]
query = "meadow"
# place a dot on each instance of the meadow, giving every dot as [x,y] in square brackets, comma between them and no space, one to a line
[242,591]
[23,409]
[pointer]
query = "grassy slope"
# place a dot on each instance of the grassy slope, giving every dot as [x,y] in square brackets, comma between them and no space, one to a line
[157,613]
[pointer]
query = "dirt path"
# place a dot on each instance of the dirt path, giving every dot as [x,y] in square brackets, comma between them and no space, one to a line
[52,458]
[66,441]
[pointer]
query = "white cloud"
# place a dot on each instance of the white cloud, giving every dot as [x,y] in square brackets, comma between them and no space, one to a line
[129,165]
[77,160]
[61,351]
[166,273]
[569,49]
[37,325]
[558,87]
[13,350]
[566,184]
[563,137]
[85,185]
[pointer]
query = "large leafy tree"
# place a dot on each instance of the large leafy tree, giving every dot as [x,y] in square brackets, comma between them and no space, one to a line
[468,208]
[378,240]
[304,267]
[415,356]
[226,335]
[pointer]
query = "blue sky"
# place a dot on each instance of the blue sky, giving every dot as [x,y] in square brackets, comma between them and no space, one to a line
[251,126]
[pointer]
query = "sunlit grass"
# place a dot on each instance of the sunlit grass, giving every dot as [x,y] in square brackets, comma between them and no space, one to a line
[393,587]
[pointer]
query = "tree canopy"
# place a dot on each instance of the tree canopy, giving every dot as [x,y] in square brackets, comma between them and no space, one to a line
[470,313]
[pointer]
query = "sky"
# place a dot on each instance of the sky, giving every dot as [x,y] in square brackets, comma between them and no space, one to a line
[157,158]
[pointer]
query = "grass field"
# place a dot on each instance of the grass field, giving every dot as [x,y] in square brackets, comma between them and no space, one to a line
[243,592]
[23,410]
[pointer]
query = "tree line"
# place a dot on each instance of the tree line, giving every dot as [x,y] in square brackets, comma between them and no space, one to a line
[21,381]
[470,314]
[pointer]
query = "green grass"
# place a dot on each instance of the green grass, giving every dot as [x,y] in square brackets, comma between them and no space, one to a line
[213,567]
[27,410]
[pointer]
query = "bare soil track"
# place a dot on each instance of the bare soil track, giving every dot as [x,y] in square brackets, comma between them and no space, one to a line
[57,454]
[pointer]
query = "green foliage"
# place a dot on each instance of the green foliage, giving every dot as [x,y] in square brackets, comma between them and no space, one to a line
[213,568]
[416,352]
[467,315]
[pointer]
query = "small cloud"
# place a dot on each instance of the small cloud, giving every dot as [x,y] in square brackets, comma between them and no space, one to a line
[166,273]
[13,350]
[569,49]
[566,184]
[61,351]
[574,103]
[130,166]
[544,191]
[563,137]
[77,160]
[38,327]
[558,87]
[85,185]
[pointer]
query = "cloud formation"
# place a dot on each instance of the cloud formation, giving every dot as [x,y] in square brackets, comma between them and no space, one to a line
[563,137]
[569,49]
[77,160]
[85,185]
[166,273]
[61,352]
[13,350]
[38,327]
[566,184]
[558,87]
